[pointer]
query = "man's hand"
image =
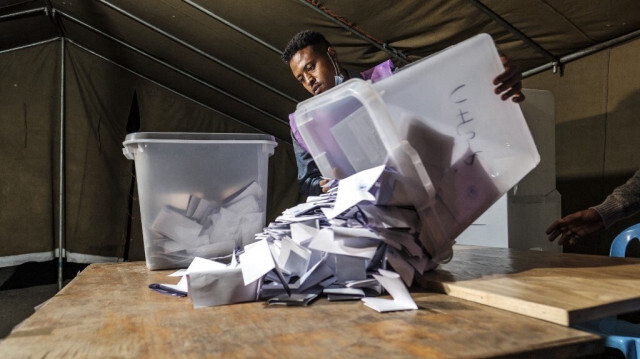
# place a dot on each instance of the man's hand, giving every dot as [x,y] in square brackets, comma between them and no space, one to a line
[509,83]
[322,183]
[575,226]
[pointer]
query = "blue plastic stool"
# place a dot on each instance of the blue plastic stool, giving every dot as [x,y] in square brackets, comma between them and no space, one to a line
[619,244]
[618,334]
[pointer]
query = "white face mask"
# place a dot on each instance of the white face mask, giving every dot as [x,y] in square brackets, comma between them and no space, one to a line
[338,78]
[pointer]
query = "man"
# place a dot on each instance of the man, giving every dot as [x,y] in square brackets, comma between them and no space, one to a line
[623,202]
[314,63]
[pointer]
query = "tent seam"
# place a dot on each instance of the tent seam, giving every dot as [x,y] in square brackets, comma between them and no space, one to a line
[558,13]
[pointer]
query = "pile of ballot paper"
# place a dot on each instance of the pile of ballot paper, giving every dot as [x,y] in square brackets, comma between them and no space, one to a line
[205,228]
[338,244]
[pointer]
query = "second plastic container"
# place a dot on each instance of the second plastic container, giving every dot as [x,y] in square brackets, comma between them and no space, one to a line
[201,194]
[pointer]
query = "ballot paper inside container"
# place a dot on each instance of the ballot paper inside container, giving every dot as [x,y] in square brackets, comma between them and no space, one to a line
[357,136]
[174,225]
[220,287]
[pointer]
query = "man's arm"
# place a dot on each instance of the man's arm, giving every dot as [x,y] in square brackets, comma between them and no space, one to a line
[623,202]
[309,176]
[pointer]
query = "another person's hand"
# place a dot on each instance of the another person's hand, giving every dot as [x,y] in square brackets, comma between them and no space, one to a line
[575,226]
[509,83]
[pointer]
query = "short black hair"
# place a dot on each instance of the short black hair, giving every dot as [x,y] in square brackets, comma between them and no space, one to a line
[301,40]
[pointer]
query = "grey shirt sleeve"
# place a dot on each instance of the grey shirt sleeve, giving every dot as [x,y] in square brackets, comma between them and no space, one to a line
[309,176]
[623,202]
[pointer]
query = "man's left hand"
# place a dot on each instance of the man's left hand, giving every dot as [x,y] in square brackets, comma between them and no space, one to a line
[575,226]
[509,83]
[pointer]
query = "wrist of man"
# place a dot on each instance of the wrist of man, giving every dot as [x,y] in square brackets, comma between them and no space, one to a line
[314,186]
[607,213]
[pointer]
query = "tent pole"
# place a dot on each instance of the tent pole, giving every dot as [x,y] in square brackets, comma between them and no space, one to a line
[182,72]
[30,45]
[197,50]
[584,52]
[23,13]
[172,90]
[231,25]
[61,215]
[512,29]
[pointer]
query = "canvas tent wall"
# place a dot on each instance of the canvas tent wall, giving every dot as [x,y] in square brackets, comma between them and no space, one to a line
[97,97]
[597,130]
[201,65]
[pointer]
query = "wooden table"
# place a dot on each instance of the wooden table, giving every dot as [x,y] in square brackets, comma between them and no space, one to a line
[108,311]
[562,288]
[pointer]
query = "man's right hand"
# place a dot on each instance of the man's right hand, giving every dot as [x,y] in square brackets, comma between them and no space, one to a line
[322,183]
[509,83]
[575,226]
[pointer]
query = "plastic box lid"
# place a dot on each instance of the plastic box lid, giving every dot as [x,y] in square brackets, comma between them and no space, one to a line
[193,137]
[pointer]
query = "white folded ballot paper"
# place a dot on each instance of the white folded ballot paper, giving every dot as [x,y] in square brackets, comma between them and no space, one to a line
[393,284]
[198,264]
[211,283]
[259,261]
[219,287]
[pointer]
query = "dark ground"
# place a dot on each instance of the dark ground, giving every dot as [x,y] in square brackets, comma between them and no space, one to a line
[26,286]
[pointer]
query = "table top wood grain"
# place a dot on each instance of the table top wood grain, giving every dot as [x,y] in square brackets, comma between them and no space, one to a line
[108,311]
[562,288]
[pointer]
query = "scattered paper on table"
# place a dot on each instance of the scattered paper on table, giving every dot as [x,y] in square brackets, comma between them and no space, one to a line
[219,287]
[393,284]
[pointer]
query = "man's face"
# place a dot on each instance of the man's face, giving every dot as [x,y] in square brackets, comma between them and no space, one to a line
[313,70]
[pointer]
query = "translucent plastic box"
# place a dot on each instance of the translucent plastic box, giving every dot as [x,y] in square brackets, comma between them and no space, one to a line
[439,123]
[201,194]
